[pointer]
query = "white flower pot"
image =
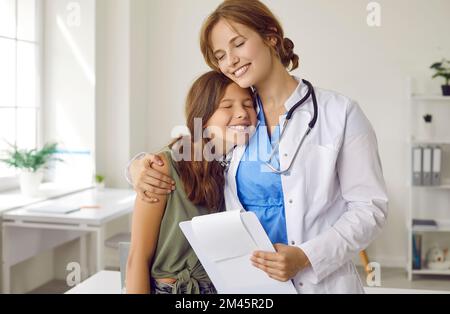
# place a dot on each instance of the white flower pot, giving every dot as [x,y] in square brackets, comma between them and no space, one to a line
[30,181]
[100,185]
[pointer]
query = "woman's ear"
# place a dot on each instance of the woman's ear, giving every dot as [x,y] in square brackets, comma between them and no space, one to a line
[272,39]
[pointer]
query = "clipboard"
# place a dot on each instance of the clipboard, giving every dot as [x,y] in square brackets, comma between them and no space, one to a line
[224,243]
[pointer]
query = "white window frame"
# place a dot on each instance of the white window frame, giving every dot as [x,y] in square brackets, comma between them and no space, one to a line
[9,183]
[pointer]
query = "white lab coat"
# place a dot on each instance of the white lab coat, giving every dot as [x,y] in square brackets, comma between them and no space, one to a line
[335,196]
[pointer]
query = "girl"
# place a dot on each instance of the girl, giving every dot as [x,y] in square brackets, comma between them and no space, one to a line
[161,259]
[332,203]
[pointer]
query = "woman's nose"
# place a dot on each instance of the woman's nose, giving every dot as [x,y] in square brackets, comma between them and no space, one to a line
[232,60]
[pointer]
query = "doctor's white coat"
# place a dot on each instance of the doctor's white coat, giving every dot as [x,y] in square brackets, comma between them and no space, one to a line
[335,196]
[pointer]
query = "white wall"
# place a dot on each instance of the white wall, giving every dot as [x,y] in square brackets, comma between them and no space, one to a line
[121,98]
[338,51]
[69,84]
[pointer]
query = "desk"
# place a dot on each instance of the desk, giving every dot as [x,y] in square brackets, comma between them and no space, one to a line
[104,282]
[26,234]
[107,282]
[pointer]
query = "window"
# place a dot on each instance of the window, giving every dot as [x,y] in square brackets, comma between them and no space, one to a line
[19,78]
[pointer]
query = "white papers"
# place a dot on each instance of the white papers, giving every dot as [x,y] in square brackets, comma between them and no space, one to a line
[225,228]
[224,243]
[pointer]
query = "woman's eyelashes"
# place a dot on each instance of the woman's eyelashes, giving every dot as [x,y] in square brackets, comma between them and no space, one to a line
[237,45]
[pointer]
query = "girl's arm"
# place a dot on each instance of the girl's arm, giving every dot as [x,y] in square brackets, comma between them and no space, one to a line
[144,238]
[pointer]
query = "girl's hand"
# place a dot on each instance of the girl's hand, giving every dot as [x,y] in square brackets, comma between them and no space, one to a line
[282,265]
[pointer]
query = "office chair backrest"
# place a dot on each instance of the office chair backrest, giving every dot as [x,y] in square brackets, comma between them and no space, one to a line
[124,249]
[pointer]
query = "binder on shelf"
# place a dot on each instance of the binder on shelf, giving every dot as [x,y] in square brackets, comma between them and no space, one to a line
[425,223]
[427,165]
[417,251]
[436,170]
[417,153]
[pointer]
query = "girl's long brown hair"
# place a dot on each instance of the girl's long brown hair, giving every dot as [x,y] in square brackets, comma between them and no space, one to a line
[203,181]
[258,17]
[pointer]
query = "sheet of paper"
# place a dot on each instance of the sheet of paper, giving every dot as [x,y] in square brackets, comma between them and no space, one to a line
[223,235]
[234,273]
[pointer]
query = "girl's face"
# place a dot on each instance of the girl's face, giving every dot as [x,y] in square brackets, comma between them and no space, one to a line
[241,53]
[234,120]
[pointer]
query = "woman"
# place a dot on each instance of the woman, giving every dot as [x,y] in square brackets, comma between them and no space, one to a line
[332,203]
[161,259]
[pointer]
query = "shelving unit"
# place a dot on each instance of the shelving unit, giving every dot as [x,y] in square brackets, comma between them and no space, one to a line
[431,103]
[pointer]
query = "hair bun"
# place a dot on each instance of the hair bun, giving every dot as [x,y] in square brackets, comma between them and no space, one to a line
[289,47]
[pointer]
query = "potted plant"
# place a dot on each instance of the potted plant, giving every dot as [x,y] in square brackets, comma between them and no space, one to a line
[100,181]
[443,70]
[31,164]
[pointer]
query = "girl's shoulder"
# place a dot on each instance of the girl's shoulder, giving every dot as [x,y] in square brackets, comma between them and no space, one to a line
[166,156]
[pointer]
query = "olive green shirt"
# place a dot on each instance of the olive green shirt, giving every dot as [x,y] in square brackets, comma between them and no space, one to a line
[174,257]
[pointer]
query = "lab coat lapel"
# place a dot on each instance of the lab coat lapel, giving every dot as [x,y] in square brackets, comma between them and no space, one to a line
[231,196]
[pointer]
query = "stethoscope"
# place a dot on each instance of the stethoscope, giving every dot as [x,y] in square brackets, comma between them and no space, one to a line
[275,148]
[311,93]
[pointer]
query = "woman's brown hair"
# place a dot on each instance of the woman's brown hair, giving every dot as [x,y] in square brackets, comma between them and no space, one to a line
[203,181]
[258,17]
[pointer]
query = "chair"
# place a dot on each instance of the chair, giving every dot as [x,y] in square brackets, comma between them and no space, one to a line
[124,249]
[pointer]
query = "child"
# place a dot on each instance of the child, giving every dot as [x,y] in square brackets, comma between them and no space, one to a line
[161,259]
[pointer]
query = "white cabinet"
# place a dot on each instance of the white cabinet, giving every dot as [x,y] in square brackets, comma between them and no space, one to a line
[429,202]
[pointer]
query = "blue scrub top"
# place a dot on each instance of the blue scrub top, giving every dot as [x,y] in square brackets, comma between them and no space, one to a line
[259,189]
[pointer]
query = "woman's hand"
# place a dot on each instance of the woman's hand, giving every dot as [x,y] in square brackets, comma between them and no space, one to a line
[282,265]
[147,180]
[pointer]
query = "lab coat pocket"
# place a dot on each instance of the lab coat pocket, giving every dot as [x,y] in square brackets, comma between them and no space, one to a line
[321,175]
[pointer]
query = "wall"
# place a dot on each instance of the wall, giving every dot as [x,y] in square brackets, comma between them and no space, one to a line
[338,51]
[121,98]
[69,86]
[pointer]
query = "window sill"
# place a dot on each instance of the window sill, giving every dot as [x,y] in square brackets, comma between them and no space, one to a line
[14,199]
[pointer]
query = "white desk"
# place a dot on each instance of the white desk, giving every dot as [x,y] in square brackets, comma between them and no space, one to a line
[26,234]
[107,282]
[14,199]
[104,282]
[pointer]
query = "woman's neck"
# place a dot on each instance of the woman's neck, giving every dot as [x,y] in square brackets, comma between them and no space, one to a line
[277,87]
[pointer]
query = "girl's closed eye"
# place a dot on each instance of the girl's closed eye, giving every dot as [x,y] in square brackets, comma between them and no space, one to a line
[249,104]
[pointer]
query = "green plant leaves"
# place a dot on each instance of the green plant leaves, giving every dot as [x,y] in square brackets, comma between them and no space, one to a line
[33,159]
[442,70]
